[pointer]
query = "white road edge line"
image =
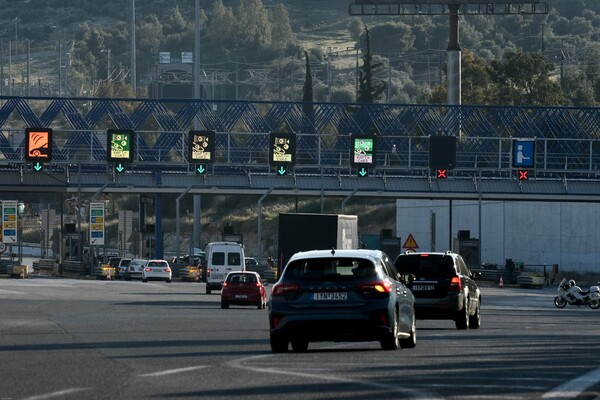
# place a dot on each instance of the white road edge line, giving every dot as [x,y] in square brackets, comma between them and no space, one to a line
[60,393]
[574,387]
[172,371]
[412,393]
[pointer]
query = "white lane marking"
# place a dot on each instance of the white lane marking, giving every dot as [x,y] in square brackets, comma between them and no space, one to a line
[60,393]
[3,291]
[412,393]
[172,371]
[574,387]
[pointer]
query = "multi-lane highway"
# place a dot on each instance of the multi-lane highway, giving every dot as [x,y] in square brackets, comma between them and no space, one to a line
[82,339]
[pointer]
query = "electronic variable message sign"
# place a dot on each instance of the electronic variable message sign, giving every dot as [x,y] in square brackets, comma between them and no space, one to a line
[442,152]
[362,153]
[38,144]
[282,151]
[120,144]
[201,147]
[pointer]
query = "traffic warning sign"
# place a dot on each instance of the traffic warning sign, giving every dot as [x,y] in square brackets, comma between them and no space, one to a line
[410,243]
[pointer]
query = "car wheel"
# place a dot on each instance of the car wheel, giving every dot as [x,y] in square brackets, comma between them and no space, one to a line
[411,341]
[475,319]
[594,304]
[144,280]
[390,340]
[208,291]
[279,343]
[224,305]
[462,320]
[299,345]
[168,281]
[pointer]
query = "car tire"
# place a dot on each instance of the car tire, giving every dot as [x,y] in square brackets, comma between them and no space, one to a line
[462,319]
[390,340]
[144,280]
[279,343]
[208,291]
[168,281]
[411,341]
[475,319]
[299,345]
[224,305]
[594,304]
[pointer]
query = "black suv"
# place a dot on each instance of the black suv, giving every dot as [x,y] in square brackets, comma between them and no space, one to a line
[444,287]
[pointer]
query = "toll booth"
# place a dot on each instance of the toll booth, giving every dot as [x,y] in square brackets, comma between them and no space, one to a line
[468,248]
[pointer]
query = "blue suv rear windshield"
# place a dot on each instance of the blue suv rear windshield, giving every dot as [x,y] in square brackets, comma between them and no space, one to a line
[330,269]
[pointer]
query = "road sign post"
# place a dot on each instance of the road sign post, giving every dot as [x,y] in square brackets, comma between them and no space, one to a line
[9,221]
[97,224]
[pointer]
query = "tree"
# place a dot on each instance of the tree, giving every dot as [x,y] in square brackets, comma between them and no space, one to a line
[368,89]
[525,79]
[282,29]
[254,25]
[307,91]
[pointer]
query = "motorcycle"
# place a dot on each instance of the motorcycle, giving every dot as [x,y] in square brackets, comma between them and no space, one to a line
[590,298]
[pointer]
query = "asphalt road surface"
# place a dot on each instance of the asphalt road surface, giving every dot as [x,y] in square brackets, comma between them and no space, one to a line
[85,339]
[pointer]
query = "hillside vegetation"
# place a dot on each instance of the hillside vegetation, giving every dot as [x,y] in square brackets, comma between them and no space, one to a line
[255,48]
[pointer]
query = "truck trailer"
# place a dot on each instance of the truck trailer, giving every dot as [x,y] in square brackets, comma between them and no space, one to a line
[302,232]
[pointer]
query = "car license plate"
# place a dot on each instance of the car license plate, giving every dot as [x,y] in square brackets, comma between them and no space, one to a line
[241,296]
[330,296]
[423,287]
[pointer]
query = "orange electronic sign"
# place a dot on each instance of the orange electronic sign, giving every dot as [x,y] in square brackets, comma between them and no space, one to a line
[38,144]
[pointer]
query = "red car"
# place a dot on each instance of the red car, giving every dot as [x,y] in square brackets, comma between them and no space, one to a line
[243,288]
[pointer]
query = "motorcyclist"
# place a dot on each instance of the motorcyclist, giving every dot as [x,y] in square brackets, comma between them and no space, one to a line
[574,290]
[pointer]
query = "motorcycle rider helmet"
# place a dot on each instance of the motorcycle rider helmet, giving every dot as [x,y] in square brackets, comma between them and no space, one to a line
[572,283]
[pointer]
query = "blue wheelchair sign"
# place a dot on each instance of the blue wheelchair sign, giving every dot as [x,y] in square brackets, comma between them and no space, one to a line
[523,153]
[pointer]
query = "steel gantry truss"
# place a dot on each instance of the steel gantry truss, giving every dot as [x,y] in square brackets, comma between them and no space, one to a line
[567,144]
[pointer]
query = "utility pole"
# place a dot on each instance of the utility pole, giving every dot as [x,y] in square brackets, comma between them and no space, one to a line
[132,44]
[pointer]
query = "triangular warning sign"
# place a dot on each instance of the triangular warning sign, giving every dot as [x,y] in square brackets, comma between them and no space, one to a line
[410,243]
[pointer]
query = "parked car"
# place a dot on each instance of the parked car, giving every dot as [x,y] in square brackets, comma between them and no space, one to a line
[341,295]
[444,287]
[157,270]
[135,268]
[243,288]
[122,268]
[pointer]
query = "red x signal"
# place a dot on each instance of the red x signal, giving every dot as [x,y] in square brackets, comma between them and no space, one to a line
[523,175]
[442,173]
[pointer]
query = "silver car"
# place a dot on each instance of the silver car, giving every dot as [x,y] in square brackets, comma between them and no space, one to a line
[157,270]
[135,269]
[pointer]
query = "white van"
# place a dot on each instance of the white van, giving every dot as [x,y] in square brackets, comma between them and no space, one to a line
[221,259]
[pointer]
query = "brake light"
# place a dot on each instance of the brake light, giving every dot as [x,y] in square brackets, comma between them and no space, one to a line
[455,284]
[281,288]
[148,269]
[225,284]
[167,270]
[383,286]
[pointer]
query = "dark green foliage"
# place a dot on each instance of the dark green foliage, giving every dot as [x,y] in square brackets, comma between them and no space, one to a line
[369,88]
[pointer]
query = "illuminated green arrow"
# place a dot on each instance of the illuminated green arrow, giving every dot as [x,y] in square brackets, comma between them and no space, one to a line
[281,171]
[363,172]
[37,166]
[201,169]
[120,168]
